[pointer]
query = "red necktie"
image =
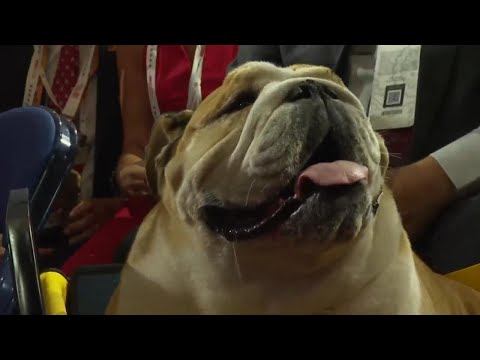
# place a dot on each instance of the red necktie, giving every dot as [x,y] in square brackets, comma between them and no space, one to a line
[66,75]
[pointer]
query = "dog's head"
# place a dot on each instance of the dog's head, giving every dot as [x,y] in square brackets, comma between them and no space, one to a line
[279,158]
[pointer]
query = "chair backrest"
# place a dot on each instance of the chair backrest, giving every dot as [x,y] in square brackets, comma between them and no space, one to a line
[7,287]
[91,287]
[22,255]
[37,149]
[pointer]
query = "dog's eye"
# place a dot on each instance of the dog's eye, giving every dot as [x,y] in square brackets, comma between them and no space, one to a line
[240,102]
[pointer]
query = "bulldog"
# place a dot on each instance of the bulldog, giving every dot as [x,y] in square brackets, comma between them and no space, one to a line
[272,201]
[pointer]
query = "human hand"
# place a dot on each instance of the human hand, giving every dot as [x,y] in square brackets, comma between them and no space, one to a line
[88,216]
[131,176]
[41,251]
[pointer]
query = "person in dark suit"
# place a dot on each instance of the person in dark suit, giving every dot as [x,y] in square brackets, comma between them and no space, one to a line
[437,183]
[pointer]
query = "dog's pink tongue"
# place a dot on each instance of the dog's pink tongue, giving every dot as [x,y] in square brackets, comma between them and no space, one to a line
[340,172]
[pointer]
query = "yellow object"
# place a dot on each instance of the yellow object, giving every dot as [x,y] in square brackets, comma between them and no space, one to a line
[469,276]
[54,289]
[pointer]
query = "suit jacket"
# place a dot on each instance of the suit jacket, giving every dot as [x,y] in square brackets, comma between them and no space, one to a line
[448,94]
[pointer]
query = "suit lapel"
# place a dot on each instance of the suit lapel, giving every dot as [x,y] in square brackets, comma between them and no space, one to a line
[435,75]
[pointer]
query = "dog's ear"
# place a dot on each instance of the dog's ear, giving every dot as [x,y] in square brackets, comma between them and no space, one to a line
[166,132]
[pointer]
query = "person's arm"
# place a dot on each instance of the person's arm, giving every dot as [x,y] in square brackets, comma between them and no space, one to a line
[137,118]
[135,105]
[425,188]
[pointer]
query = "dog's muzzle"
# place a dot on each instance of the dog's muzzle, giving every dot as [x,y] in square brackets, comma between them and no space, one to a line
[332,172]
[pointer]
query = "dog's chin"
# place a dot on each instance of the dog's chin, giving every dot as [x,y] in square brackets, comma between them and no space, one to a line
[332,214]
[324,214]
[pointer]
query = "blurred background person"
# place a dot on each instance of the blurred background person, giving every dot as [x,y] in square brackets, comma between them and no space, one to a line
[153,79]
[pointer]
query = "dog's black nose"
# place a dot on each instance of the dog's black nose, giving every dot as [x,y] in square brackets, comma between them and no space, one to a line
[307,89]
[304,90]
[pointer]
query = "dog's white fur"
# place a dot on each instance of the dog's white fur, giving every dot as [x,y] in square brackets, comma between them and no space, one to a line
[176,266]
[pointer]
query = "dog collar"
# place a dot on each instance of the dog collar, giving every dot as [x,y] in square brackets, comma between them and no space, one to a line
[376,202]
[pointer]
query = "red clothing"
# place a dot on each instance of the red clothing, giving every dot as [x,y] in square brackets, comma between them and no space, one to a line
[101,247]
[172,79]
[173,73]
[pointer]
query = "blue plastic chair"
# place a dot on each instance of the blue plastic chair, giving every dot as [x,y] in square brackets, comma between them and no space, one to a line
[37,151]
[22,258]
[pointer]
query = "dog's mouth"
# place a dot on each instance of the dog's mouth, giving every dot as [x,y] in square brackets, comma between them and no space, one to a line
[323,172]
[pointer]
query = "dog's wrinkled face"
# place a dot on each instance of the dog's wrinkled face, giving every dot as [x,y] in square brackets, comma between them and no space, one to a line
[283,152]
